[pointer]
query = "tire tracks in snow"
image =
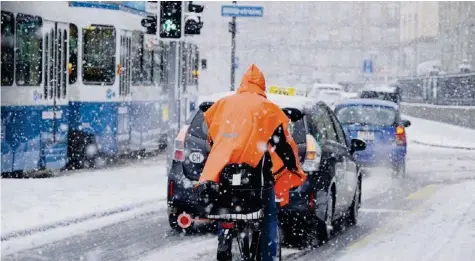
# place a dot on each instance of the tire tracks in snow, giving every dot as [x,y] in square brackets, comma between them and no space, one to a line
[77,220]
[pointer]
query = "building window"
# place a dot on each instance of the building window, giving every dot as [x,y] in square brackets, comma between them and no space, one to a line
[99,50]
[73,53]
[8,34]
[29,50]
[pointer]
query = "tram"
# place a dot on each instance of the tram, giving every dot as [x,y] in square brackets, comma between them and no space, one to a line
[81,82]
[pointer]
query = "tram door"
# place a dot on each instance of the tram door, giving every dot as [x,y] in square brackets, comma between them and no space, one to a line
[125,81]
[55,70]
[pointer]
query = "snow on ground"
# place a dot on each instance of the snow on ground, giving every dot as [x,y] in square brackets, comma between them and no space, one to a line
[16,245]
[33,204]
[439,134]
[441,228]
[205,245]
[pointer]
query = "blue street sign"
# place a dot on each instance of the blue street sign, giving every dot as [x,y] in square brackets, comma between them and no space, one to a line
[242,11]
[367,66]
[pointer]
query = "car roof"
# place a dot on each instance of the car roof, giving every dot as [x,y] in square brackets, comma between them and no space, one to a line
[283,101]
[368,102]
[380,88]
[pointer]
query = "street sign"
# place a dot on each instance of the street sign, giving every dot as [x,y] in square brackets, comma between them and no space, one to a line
[242,11]
[287,91]
[367,66]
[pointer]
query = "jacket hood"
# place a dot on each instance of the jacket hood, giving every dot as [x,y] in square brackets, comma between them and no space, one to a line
[253,81]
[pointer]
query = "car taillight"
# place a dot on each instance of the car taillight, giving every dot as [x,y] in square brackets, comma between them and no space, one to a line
[179,149]
[227,225]
[179,154]
[400,136]
[312,156]
[171,187]
[311,200]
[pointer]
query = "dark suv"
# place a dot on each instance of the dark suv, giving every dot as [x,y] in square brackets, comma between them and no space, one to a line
[383,92]
[332,189]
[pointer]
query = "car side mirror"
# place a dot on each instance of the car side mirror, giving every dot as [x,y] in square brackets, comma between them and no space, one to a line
[205,106]
[406,123]
[293,114]
[357,145]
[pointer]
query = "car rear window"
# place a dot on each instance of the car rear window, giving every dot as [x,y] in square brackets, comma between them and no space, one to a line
[298,131]
[366,115]
[198,128]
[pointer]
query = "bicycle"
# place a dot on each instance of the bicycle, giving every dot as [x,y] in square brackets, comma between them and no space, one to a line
[238,207]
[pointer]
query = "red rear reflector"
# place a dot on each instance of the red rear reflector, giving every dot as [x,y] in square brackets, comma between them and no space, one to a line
[184,220]
[171,187]
[227,225]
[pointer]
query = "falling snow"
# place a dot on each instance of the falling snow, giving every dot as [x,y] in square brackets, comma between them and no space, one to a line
[104,137]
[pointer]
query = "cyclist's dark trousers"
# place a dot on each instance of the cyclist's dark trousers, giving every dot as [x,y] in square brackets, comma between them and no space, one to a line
[268,241]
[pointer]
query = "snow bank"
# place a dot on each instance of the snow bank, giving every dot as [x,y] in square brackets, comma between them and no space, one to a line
[445,223]
[33,205]
[439,134]
[426,105]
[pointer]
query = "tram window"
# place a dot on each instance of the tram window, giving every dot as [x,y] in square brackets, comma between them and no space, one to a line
[73,53]
[8,27]
[196,62]
[137,52]
[163,58]
[8,33]
[99,44]
[29,50]
[184,65]
[147,66]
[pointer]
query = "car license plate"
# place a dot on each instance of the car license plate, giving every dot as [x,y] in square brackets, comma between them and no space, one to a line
[366,135]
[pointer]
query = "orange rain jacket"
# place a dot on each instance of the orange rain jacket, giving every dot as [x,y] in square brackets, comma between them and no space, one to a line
[240,126]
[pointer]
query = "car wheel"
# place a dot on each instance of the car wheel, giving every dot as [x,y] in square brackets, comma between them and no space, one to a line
[324,229]
[352,218]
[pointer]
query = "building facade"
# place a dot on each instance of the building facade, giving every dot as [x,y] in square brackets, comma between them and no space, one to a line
[380,28]
[419,37]
[457,34]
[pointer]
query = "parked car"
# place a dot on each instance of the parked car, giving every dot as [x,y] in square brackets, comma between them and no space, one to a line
[333,187]
[379,124]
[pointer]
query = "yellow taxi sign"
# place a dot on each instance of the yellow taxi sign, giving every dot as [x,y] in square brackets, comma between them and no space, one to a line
[287,91]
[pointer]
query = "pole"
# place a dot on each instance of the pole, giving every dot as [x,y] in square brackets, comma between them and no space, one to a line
[233,49]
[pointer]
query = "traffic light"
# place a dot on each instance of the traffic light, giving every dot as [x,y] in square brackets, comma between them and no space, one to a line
[151,24]
[170,19]
[193,22]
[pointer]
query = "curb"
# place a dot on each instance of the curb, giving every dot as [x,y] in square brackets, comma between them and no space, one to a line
[77,220]
[442,146]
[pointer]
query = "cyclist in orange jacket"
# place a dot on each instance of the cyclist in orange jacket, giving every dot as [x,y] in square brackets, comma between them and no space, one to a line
[247,128]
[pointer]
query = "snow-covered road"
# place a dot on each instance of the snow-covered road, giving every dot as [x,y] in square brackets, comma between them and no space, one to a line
[430,215]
